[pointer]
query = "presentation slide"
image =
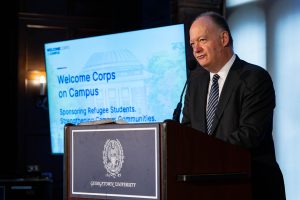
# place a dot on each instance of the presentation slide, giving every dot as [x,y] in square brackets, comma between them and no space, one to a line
[135,76]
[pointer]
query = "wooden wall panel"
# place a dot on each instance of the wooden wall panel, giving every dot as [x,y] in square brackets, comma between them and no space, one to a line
[33,118]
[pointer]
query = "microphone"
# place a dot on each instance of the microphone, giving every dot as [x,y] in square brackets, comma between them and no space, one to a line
[177,111]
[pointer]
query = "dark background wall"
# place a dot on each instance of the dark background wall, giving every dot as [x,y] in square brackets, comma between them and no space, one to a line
[25,135]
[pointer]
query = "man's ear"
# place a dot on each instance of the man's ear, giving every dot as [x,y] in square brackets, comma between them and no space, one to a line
[225,38]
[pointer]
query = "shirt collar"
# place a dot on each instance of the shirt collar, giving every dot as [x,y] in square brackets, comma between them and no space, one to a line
[225,69]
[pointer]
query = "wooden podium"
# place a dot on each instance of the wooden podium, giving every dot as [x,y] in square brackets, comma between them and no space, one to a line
[165,161]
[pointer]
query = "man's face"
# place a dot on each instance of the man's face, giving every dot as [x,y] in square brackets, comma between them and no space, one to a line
[207,44]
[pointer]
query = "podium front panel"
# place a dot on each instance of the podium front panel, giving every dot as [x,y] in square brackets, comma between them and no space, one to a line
[114,162]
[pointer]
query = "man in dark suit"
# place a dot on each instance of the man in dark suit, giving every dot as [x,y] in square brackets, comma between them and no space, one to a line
[244,111]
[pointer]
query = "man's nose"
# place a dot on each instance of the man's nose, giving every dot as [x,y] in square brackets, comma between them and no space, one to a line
[197,48]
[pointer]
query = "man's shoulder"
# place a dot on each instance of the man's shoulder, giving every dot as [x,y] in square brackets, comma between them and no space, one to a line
[249,69]
[252,75]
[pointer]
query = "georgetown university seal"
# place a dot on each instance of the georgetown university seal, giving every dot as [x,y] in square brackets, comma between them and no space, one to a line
[113,158]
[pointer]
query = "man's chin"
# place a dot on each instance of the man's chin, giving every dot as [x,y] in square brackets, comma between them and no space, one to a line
[204,66]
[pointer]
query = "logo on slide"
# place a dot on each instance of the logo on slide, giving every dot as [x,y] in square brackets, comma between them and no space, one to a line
[113,158]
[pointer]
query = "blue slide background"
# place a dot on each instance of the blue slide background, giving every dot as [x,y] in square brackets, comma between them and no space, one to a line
[135,76]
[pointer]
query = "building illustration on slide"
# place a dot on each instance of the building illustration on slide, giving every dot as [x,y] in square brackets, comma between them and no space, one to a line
[128,89]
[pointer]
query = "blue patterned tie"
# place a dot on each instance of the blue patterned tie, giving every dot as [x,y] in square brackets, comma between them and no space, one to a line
[212,102]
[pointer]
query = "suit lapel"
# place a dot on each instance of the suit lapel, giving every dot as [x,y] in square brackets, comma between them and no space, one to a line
[201,99]
[227,91]
[204,91]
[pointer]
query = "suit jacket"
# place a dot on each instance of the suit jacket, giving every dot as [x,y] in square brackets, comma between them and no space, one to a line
[244,117]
